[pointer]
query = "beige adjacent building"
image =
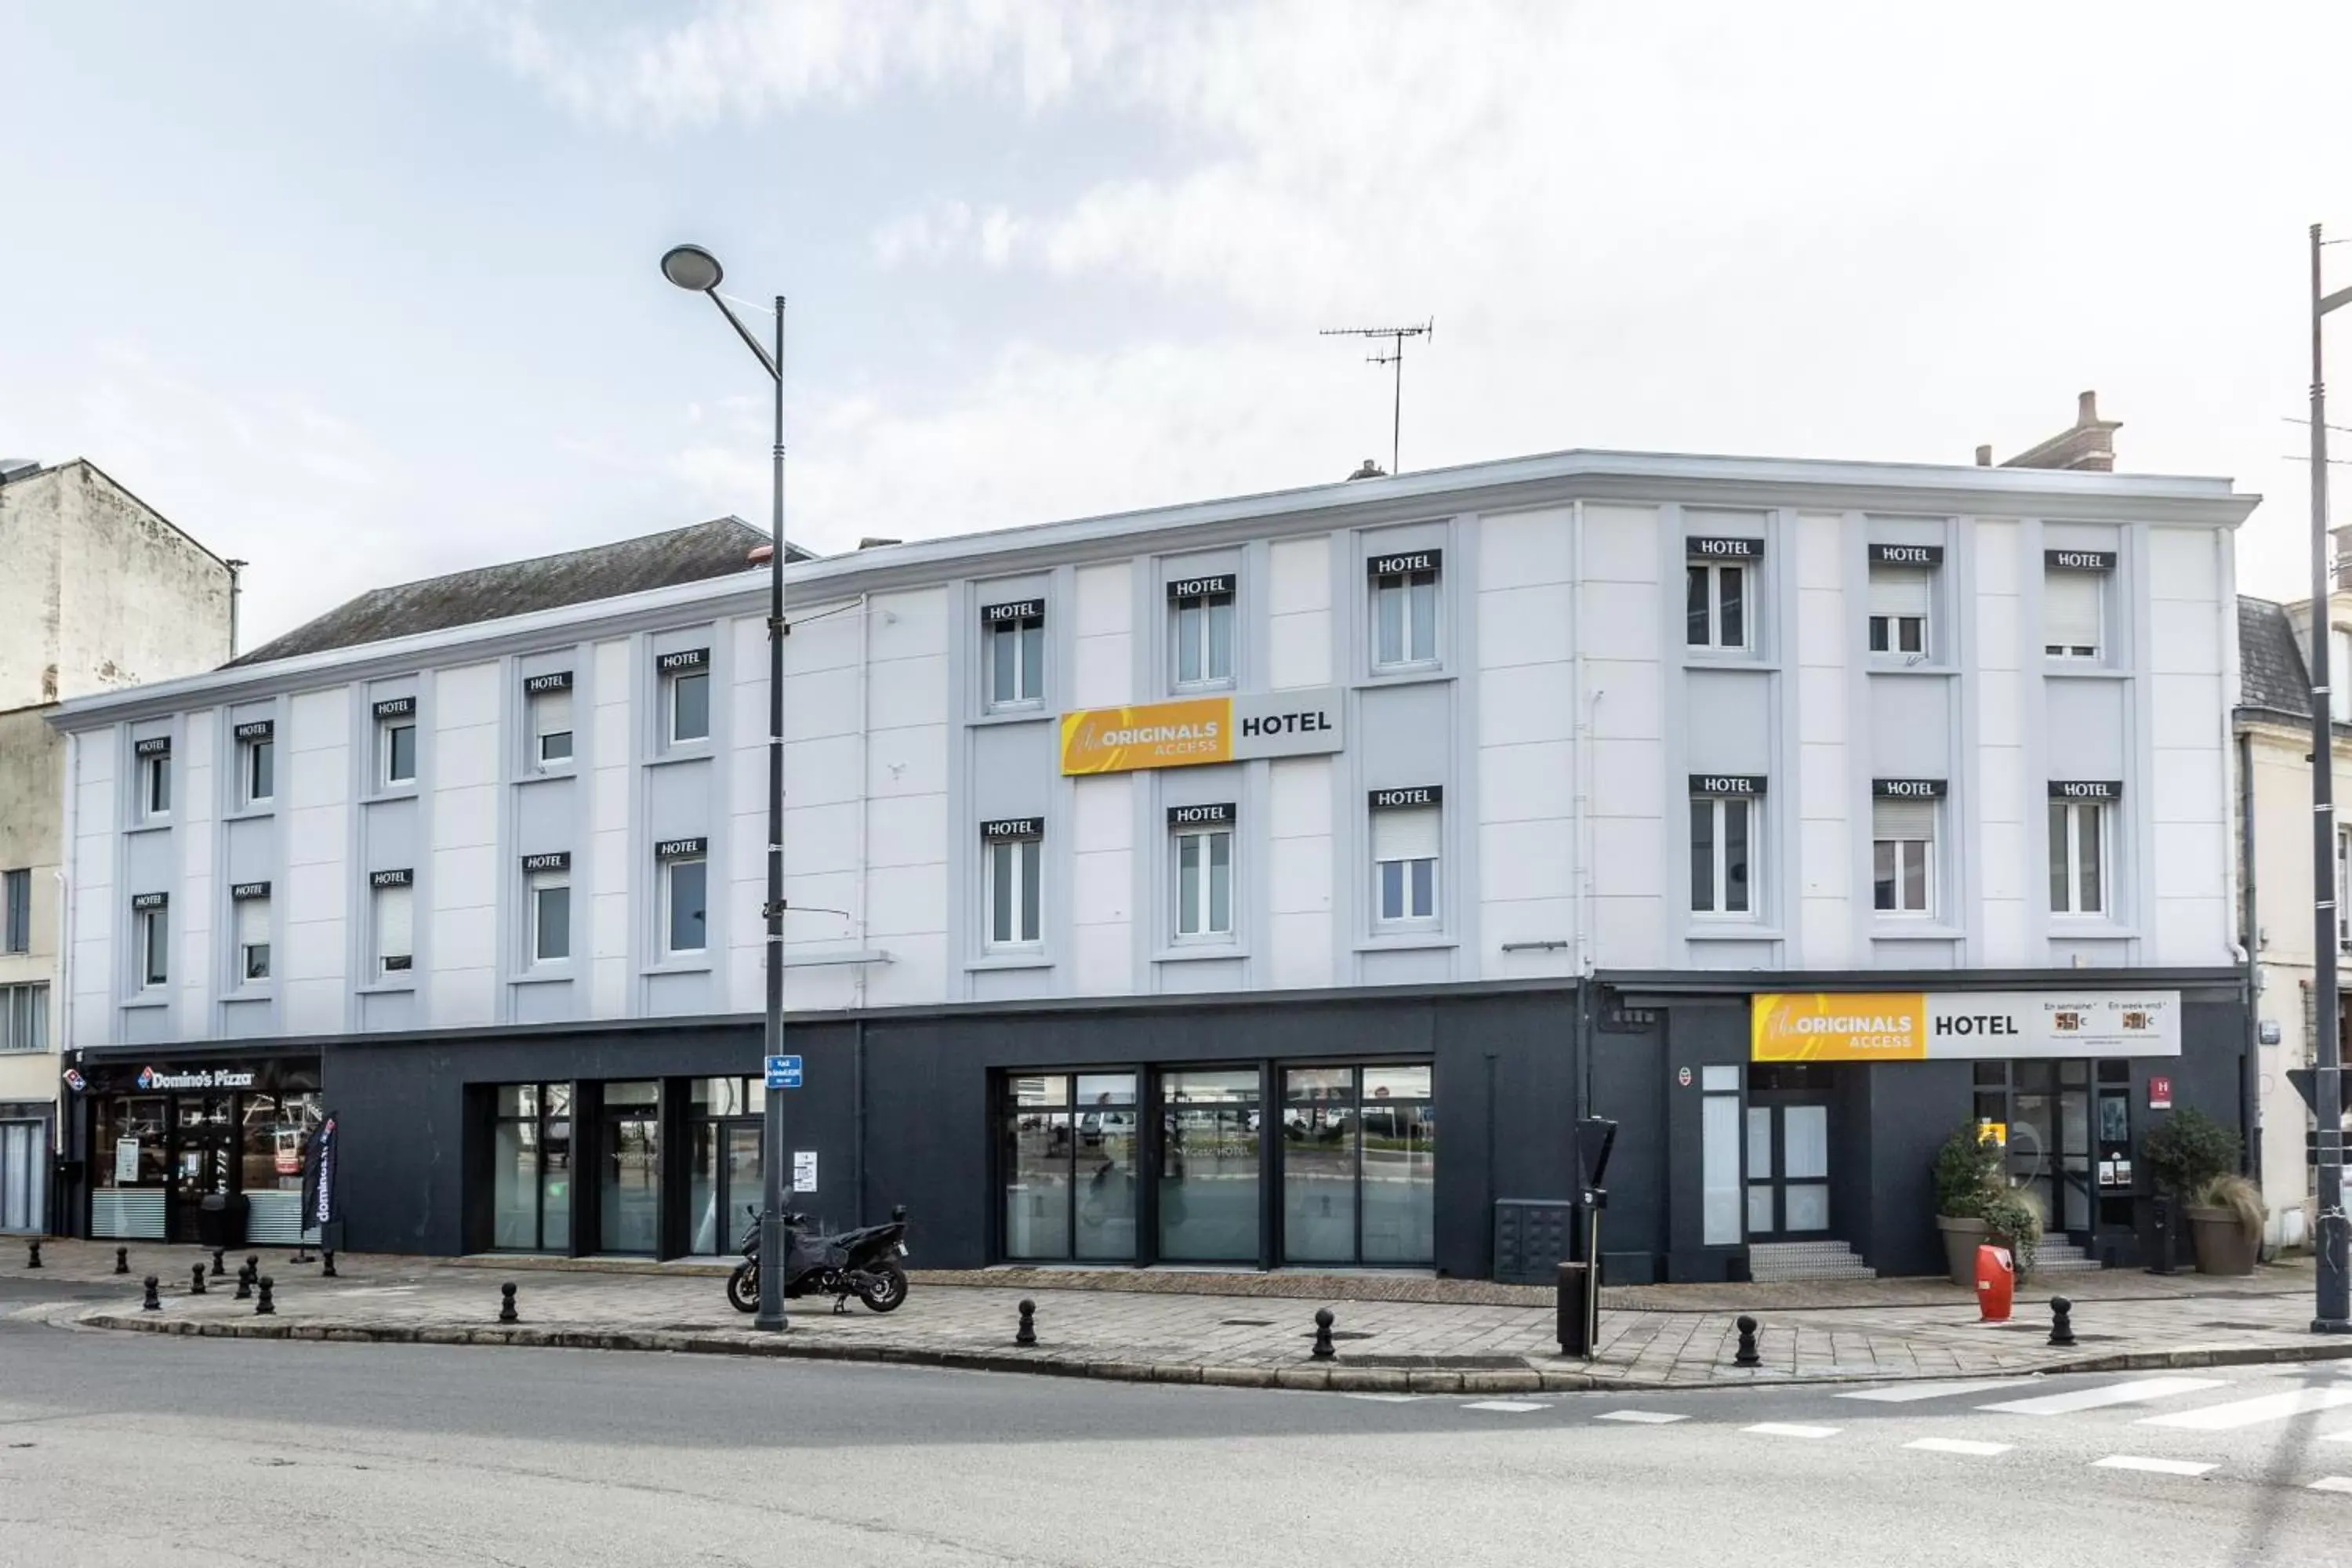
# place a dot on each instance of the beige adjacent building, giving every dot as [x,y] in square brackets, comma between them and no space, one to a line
[100,591]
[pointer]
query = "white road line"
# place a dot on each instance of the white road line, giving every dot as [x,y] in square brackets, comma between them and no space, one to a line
[2153,1467]
[1908,1393]
[1387,1398]
[1786,1429]
[2333,1484]
[2250,1412]
[1957,1446]
[2145,1391]
[1515,1407]
[1641,1417]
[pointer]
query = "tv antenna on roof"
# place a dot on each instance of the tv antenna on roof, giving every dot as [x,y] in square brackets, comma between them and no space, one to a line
[1395,357]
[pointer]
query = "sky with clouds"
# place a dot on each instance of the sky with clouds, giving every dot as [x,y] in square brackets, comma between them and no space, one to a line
[363,292]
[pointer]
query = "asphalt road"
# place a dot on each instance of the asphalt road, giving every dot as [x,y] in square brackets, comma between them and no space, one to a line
[121,1450]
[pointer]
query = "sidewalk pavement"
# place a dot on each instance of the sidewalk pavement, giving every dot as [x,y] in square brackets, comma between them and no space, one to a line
[1134,1325]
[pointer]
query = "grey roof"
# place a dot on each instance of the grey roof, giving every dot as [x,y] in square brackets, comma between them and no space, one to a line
[714,549]
[2271,675]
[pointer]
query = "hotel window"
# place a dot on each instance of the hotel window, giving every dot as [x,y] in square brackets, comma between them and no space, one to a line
[1903,846]
[685,895]
[1723,844]
[154,777]
[550,698]
[550,914]
[2073,601]
[24,1018]
[1012,881]
[394,921]
[395,741]
[686,695]
[2340,675]
[256,769]
[1901,596]
[252,938]
[1405,608]
[2078,858]
[1200,617]
[17,889]
[2344,888]
[1014,635]
[1204,870]
[1406,838]
[151,922]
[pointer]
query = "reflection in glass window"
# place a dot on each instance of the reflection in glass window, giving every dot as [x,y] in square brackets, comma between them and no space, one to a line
[1068,1166]
[1404,620]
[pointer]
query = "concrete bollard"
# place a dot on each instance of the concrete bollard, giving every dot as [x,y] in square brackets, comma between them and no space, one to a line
[122,1260]
[32,1253]
[1746,1355]
[150,1302]
[1027,1335]
[196,1279]
[1324,1350]
[506,1313]
[218,1269]
[264,1307]
[2062,1320]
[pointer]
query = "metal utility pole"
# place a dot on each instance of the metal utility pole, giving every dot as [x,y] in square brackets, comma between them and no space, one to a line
[1395,357]
[2333,1308]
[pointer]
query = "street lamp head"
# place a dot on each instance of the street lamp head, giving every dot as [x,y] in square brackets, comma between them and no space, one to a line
[691,267]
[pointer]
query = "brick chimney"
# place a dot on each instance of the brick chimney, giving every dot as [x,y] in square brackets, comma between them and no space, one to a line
[2089,446]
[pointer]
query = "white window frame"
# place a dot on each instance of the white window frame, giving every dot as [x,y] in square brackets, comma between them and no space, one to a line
[1028,667]
[1025,860]
[672,684]
[385,961]
[1716,574]
[2339,674]
[543,706]
[388,752]
[1890,626]
[17,915]
[241,918]
[1408,917]
[1908,850]
[538,883]
[1202,609]
[2093,651]
[1718,851]
[24,1018]
[248,762]
[153,930]
[1198,901]
[668,903]
[2070,815]
[155,785]
[1412,623]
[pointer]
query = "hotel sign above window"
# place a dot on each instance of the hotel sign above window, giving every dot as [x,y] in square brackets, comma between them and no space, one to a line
[1962,1026]
[1199,729]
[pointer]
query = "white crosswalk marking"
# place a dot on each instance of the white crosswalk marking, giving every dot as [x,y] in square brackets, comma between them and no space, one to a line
[1957,1446]
[1788,1429]
[2145,1391]
[1516,1407]
[2153,1467]
[1641,1417]
[2252,1412]
[1909,1393]
[2333,1484]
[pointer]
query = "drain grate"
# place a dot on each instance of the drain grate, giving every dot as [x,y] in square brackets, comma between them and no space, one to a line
[1342,1334]
[2242,1327]
[1246,1322]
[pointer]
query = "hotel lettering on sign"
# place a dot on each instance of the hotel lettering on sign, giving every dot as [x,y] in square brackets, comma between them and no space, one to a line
[1961,1026]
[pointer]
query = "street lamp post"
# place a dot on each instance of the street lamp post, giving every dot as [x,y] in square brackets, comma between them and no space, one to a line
[694,268]
[2333,1308]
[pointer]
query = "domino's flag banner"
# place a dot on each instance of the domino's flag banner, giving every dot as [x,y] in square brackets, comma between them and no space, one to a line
[321,1153]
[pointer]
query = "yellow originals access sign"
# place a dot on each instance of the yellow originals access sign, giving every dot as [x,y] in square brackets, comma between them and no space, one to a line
[1839,1026]
[1960,1025]
[1194,731]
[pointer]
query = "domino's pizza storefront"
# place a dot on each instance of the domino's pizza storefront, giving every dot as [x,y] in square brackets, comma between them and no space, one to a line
[158,1136]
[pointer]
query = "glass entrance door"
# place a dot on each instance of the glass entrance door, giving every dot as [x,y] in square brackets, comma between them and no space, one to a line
[203,1150]
[2049,1141]
[1787,1167]
[629,1218]
[1208,1166]
[1359,1165]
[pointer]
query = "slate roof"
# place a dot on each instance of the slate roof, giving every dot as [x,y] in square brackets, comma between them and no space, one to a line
[714,549]
[2271,677]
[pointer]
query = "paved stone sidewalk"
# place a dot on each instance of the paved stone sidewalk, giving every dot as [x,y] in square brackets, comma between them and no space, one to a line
[1173,1337]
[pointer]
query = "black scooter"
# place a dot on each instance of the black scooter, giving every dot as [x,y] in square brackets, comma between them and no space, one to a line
[861,1263]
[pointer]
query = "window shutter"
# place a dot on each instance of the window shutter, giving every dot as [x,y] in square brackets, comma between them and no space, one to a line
[554,711]
[394,921]
[252,921]
[1404,835]
[1894,591]
[2069,608]
[1903,820]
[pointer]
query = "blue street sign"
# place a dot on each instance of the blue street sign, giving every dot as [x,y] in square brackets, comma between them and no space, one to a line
[783,1072]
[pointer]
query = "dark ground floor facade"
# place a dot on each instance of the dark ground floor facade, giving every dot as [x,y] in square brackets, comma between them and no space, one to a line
[1369,1130]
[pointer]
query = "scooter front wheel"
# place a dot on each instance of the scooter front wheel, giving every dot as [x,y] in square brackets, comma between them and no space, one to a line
[884,1288]
[744,1287]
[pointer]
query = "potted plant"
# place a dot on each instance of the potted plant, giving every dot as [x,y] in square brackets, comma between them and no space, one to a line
[1968,1181]
[2189,1157]
[2012,1220]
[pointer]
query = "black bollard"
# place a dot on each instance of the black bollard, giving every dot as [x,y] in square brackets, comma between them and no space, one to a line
[218,1269]
[122,1260]
[196,1281]
[150,1302]
[1324,1350]
[244,1285]
[1028,1333]
[327,1265]
[32,1253]
[506,1313]
[253,1265]
[266,1306]
[1746,1355]
[2062,1320]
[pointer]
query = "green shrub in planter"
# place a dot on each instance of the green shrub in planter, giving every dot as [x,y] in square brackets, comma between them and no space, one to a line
[1967,1173]
[2188,1152]
[2015,1223]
